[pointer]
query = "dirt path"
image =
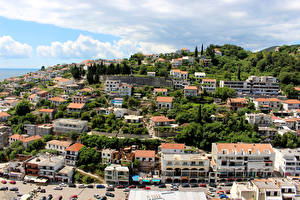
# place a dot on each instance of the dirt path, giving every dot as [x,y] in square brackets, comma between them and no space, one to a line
[91,175]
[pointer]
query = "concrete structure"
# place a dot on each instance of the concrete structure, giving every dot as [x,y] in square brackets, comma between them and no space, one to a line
[117,88]
[65,174]
[58,145]
[242,160]
[209,85]
[267,104]
[116,174]
[69,125]
[25,139]
[5,131]
[291,104]
[106,155]
[72,154]
[164,102]
[40,129]
[242,191]
[260,119]
[190,91]
[266,189]
[133,119]
[146,159]
[178,74]
[236,104]
[171,148]
[165,195]
[151,74]
[287,162]
[179,168]
[199,74]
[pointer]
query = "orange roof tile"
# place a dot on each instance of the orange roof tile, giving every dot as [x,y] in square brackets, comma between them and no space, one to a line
[172,146]
[4,114]
[209,80]
[164,99]
[86,90]
[75,147]
[57,99]
[183,72]
[161,119]
[32,138]
[145,153]
[46,110]
[17,137]
[176,70]
[76,105]
[59,143]
[292,101]
[238,147]
[160,90]
[238,100]
[190,87]
[297,88]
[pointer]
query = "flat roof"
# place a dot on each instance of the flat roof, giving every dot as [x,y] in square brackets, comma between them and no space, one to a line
[165,195]
[45,160]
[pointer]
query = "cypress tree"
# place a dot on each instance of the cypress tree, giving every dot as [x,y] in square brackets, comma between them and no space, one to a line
[196,52]
[201,50]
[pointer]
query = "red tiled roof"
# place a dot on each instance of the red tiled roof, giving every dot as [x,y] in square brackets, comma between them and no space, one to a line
[172,146]
[32,138]
[145,153]
[266,100]
[4,114]
[190,87]
[57,99]
[208,80]
[60,143]
[46,110]
[292,101]
[17,137]
[161,119]
[75,147]
[238,147]
[160,90]
[164,99]
[86,90]
[297,88]
[76,105]
[238,100]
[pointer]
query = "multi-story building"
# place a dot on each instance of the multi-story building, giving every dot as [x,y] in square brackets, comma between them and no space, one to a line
[162,126]
[242,160]
[291,104]
[266,189]
[236,104]
[116,174]
[24,139]
[58,145]
[112,85]
[49,112]
[287,187]
[4,116]
[178,74]
[162,91]
[267,132]
[171,148]
[287,162]
[164,102]
[125,90]
[65,174]
[117,88]
[41,129]
[179,168]
[72,153]
[146,159]
[133,119]
[266,104]
[199,74]
[70,125]
[209,85]
[107,155]
[76,107]
[190,91]
[242,87]
[80,99]
[260,119]
[57,100]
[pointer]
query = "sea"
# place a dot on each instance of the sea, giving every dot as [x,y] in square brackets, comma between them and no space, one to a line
[12,72]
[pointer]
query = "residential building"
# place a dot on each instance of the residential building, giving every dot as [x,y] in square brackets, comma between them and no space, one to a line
[217,52]
[162,91]
[163,126]
[209,85]
[65,174]
[180,168]
[80,99]
[133,119]
[171,148]
[76,107]
[266,189]
[46,111]
[44,94]
[117,102]
[125,90]
[24,139]
[236,104]
[106,155]
[70,125]
[112,85]
[71,158]
[84,91]
[151,74]
[58,145]
[176,62]
[57,100]
[287,162]
[115,87]
[63,82]
[199,74]
[116,174]
[287,187]
[146,159]
[180,83]
[260,119]
[160,194]
[190,91]
[178,74]
[4,116]
[241,160]
[291,104]
[68,89]
[5,132]
[242,190]
[40,129]
[267,132]
[264,104]
[164,102]
[241,87]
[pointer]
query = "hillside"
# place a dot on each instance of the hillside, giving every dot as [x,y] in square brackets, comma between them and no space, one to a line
[272,48]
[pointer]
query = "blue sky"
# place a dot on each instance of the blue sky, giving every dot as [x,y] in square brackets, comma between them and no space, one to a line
[42,32]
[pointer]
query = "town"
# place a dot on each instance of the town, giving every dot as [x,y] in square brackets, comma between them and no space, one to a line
[186,124]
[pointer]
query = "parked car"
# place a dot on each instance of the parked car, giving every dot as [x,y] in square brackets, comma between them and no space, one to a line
[103,198]
[174,188]
[4,181]
[97,196]
[109,194]
[185,185]
[49,197]
[43,198]
[81,186]
[141,186]
[58,188]
[63,185]
[59,197]
[194,185]
[4,188]
[24,182]
[162,185]
[99,186]
[202,185]
[132,186]
[42,191]
[72,185]
[110,188]
[12,182]
[126,190]
[90,186]
[147,188]
[14,189]
[120,186]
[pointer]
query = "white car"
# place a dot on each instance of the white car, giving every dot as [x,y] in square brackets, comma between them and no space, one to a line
[58,188]
[63,185]
[81,186]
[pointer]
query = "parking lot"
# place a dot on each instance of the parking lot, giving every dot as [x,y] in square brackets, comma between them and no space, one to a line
[86,193]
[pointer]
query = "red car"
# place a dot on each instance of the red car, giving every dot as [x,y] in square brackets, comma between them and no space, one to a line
[202,185]
[74,196]
[120,187]
[132,186]
[12,182]
[146,188]
[4,181]
[220,192]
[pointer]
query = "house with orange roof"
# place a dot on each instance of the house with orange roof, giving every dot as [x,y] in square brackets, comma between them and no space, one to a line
[146,159]
[57,100]
[291,104]
[236,104]
[44,94]
[217,52]
[176,62]
[72,153]
[76,107]
[25,139]
[171,148]
[162,91]
[62,82]
[164,102]
[58,145]
[163,126]
[4,116]
[33,98]
[80,99]
[190,91]
[267,103]
[241,160]
[47,111]
[84,91]
[209,85]
[178,74]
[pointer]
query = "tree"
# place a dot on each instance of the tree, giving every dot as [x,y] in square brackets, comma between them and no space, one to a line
[290,91]
[22,108]
[239,72]
[224,93]
[87,156]
[199,116]
[201,50]
[43,68]
[196,52]
[46,118]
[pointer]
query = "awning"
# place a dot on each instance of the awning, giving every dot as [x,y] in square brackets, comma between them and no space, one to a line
[155,180]
[136,178]
[146,181]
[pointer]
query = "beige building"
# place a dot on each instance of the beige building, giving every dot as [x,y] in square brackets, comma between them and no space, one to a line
[164,102]
[116,174]
[58,145]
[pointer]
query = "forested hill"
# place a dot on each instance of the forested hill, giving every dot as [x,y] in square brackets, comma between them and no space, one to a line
[274,47]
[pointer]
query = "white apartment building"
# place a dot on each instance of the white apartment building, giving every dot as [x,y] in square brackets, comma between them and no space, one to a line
[287,162]
[261,119]
[58,145]
[288,188]
[291,104]
[209,85]
[178,74]
[133,119]
[266,189]
[112,85]
[118,88]
[171,148]
[238,86]
[65,174]
[193,168]
[199,74]
[125,89]
[116,174]
[69,125]
[242,160]
[106,155]
[72,153]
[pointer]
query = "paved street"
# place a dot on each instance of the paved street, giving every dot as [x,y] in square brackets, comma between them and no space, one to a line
[83,194]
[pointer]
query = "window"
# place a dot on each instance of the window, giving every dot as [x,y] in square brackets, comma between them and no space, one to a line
[275,193]
[268,193]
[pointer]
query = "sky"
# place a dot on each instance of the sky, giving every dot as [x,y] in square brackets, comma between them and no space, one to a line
[34,33]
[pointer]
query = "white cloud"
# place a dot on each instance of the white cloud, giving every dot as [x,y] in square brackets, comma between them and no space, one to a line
[9,48]
[170,22]
[87,47]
